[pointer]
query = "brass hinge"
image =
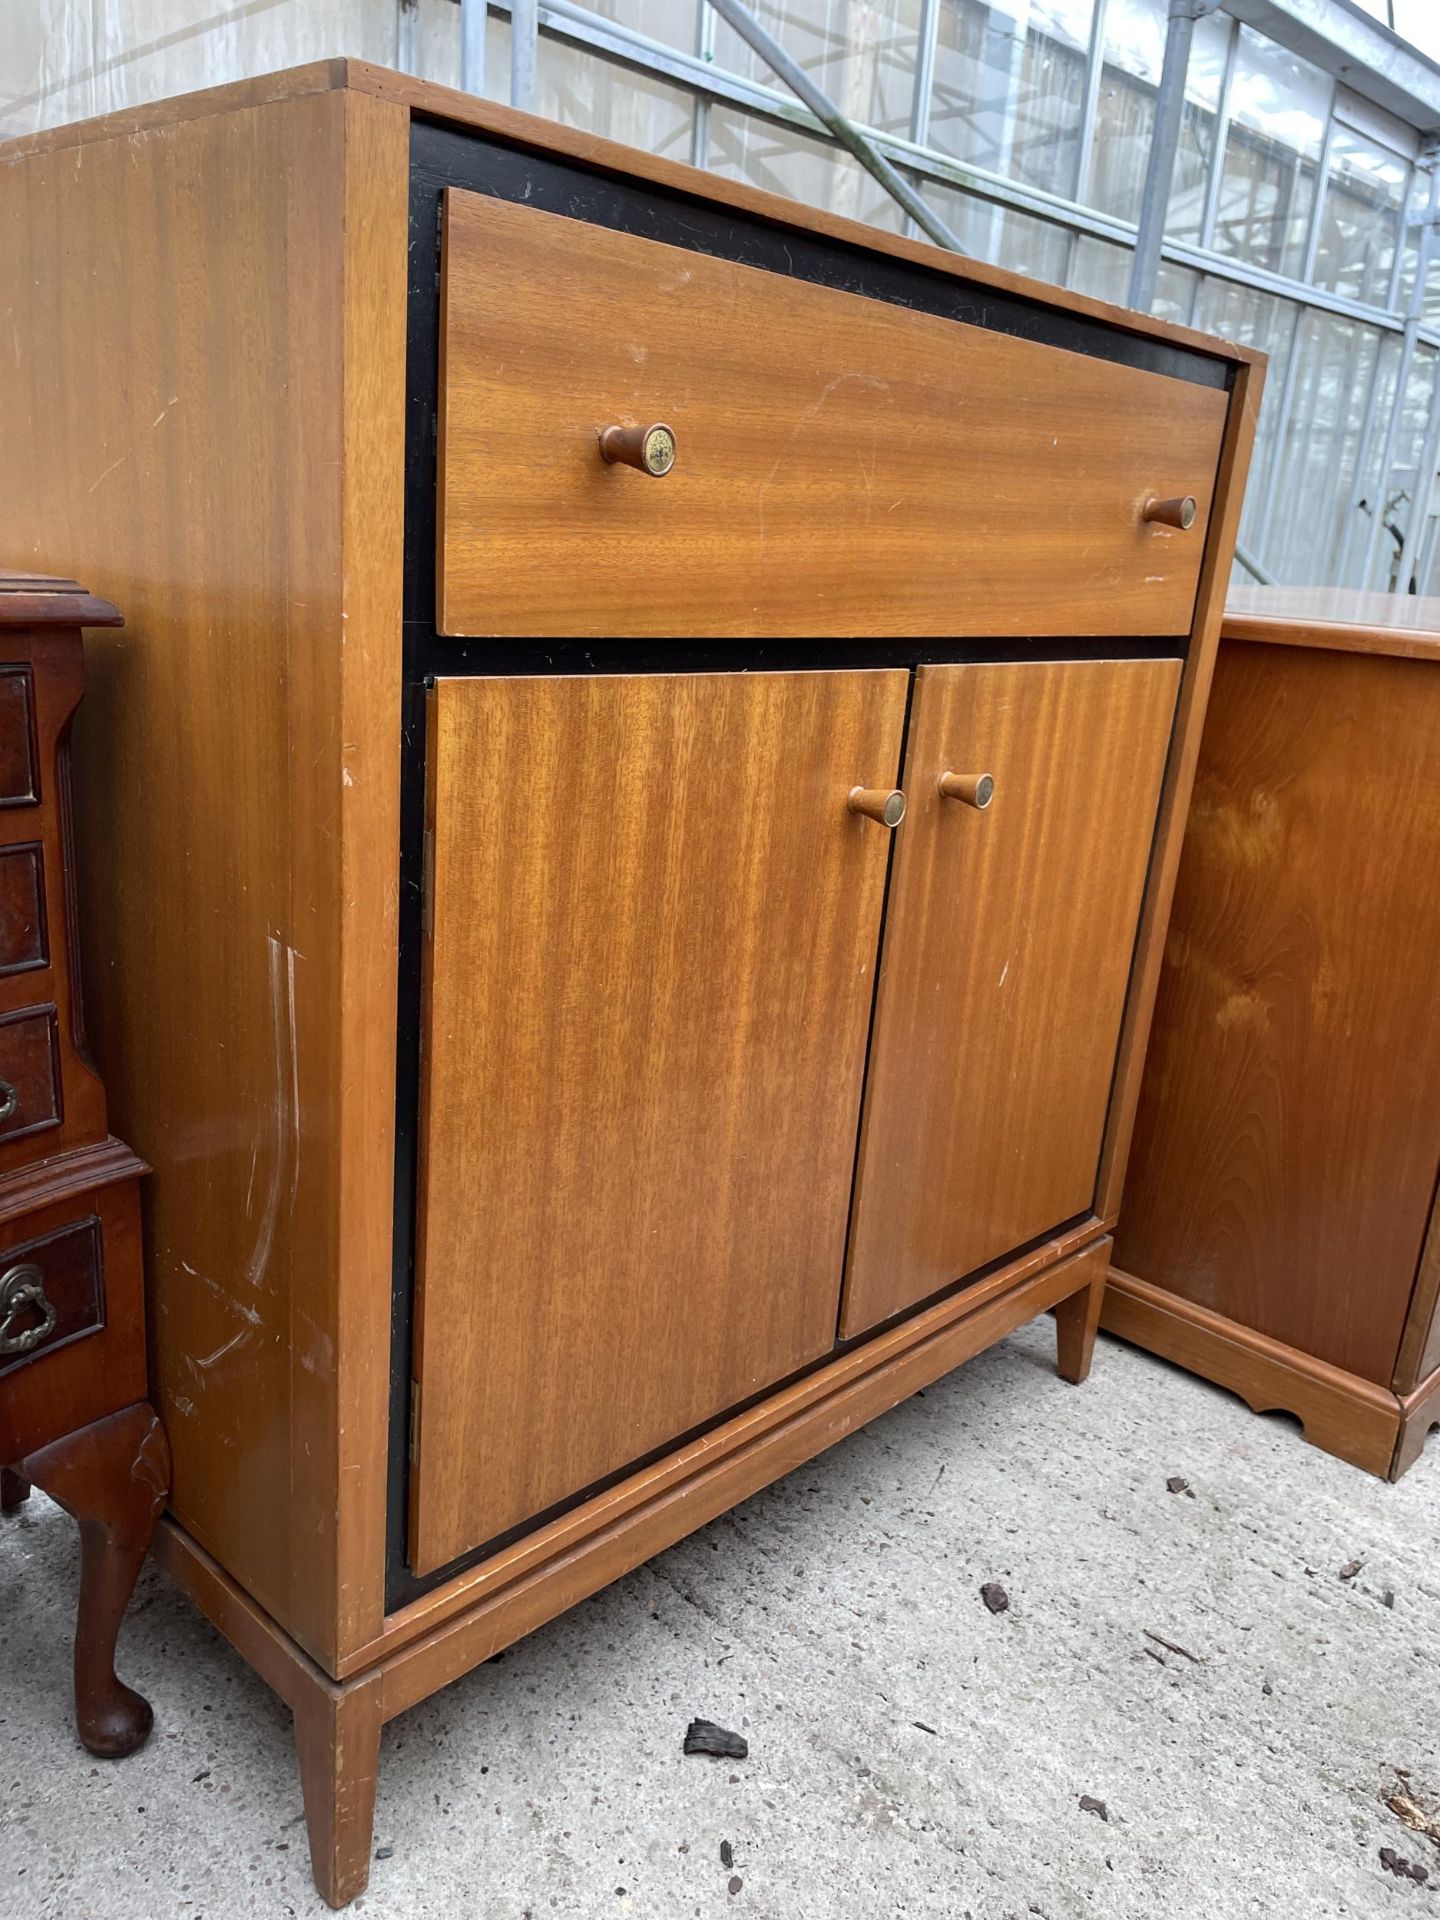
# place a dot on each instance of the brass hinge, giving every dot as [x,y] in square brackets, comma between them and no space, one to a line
[414,1421]
[427,884]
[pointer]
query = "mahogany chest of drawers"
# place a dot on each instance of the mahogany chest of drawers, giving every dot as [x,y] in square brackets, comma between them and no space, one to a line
[635,971]
[1280,1232]
[73,1414]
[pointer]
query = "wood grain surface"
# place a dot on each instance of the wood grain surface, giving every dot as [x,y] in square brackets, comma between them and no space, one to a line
[221,302]
[1341,1413]
[1287,1138]
[648,992]
[844,464]
[1009,935]
[1339,619]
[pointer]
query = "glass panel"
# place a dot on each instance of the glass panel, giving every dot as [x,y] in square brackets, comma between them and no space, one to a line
[1406,478]
[1347,569]
[1010,85]
[862,52]
[1255,319]
[581,90]
[1278,107]
[784,160]
[1000,235]
[676,23]
[1175,293]
[1101,269]
[1322,443]
[1359,222]
[437,48]
[62,61]
[1133,52]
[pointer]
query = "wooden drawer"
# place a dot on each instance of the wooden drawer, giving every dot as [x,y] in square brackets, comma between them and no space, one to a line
[52,1290]
[19,781]
[24,941]
[29,1072]
[845,464]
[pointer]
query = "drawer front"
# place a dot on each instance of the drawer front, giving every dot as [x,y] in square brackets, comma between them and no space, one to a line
[52,1289]
[19,779]
[844,465]
[24,944]
[1009,934]
[29,1072]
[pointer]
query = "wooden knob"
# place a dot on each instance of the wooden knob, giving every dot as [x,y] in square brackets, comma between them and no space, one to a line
[649,449]
[975,789]
[885,804]
[1171,513]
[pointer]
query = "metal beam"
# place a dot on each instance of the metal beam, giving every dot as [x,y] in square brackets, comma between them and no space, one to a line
[739,16]
[524,42]
[1215,173]
[1340,39]
[1164,144]
[473,17]
[1094,65]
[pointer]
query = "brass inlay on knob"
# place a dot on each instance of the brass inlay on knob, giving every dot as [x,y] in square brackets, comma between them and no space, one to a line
[885,804]
[22,1290]
[650,449]
[1179,512]
[975,789]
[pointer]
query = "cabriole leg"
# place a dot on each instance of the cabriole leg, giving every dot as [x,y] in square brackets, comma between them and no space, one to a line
[14,1490]
[112,1478]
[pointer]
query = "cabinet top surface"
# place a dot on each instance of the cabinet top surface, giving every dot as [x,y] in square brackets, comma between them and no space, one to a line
[1337,619]
[41,600]
[484,116]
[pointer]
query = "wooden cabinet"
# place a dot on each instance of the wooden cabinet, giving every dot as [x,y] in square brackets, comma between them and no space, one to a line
[74,1419]
[511,937]
[1279,1232]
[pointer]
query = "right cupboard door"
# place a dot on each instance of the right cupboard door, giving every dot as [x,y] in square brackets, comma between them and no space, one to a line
[1009,935]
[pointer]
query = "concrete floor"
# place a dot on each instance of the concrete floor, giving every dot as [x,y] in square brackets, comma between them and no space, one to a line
[825,1619]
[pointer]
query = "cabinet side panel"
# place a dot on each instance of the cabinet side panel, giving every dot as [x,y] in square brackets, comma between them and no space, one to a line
[172,427]
[1284,1159]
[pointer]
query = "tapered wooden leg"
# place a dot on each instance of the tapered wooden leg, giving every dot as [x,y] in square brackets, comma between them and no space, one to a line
[1076,1320]
[112,1478]
[337,1733]
[14,1490]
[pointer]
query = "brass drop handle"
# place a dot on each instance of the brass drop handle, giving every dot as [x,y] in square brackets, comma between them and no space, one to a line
[1179,512]
[649,449]
[9,1101]
[22,1289]
[975,789]
[885,804]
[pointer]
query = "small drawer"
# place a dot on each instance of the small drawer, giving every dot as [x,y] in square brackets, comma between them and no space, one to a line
[29,1072]
[19,780]
[24,939]
[836,464]
[51,1291]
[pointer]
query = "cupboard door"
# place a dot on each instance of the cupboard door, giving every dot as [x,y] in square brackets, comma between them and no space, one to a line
[1008,942]
[648,990]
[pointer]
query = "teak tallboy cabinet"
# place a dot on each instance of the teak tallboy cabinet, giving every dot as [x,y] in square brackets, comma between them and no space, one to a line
[574,1099]
[1281,1229]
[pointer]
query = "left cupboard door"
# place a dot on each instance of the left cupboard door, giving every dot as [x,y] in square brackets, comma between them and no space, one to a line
[653,931]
